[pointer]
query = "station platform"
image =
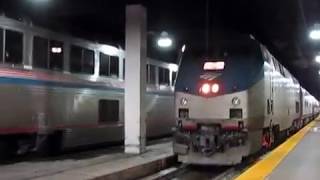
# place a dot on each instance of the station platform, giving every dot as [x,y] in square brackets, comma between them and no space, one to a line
[113,164]
[297,158]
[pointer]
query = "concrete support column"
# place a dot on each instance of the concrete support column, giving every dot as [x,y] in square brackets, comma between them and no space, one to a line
[135,79]
[66,57]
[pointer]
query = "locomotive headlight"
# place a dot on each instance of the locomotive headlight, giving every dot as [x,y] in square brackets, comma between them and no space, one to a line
[205,89]
[183,101]
[236,101]
[215,88]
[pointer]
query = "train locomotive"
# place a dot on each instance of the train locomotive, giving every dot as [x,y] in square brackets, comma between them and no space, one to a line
[233,104]
[60,92]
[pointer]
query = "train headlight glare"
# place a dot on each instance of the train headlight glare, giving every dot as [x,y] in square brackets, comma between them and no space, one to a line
[236,101]
[183,101]
[215,88]
[205,89]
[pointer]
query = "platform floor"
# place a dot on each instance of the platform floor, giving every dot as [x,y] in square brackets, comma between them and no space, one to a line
[297,158]
[303,162]
[108,164]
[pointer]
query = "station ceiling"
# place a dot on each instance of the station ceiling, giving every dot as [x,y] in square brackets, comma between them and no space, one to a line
[282,26]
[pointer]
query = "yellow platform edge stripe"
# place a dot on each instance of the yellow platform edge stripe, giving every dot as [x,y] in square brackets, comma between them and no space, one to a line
[264,167]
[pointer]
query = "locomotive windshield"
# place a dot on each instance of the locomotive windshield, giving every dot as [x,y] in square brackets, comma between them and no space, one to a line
[234,64]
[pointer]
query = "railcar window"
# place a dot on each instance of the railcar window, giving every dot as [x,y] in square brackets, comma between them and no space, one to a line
[40,52]
[1,44]
[88,61]
[81,60]
[148,73]
[124,68]
[75,59]
[56,55]
[151,74]
[108,111]
[14,45]
[164,76]
[114,66]
[104,64]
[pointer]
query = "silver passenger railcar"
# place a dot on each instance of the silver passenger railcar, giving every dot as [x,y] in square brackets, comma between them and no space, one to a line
[61,92]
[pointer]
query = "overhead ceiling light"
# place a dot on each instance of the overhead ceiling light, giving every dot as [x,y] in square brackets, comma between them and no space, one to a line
[164,41]
[315,32]
[39,1]
[317,58]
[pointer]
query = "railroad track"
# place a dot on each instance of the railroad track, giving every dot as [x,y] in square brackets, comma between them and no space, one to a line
[189,172]
[192,172]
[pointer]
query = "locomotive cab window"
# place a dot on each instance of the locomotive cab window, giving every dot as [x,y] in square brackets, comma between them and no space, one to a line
[108,111]
[13,47]
[56,55]
[40,52]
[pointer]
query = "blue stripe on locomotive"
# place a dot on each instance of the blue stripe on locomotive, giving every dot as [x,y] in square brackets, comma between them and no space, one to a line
[242,70]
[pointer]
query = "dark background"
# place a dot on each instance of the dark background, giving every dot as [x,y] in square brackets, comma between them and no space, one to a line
[282,25]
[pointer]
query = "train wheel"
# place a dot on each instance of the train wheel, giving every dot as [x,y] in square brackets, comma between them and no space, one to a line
[4,151]
[7,150]
[52,145]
